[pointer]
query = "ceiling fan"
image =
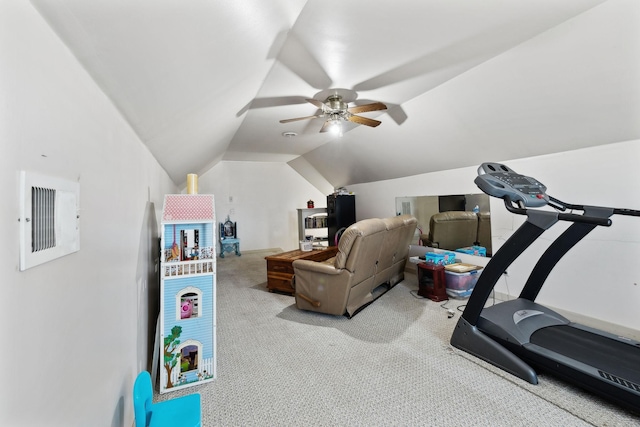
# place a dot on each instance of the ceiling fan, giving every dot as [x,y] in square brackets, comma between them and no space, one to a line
[336,108]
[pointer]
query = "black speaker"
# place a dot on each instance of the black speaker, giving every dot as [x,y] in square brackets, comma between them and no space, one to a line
[341,213]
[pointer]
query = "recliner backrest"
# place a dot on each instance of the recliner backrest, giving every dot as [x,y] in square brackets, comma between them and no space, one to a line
[361,241]
[484,230]
[410,224]
[394,227]
[453,229]
[400,229]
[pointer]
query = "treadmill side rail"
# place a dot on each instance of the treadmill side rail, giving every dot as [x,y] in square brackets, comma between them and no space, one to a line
[469,338]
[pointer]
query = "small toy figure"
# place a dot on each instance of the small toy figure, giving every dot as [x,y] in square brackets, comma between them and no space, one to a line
[186,308]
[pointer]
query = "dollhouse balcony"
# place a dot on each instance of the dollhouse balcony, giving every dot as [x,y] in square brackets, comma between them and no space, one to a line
[205,264]
[188,268]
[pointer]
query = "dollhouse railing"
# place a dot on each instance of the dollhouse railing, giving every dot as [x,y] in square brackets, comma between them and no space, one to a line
[203,265]
[188,268]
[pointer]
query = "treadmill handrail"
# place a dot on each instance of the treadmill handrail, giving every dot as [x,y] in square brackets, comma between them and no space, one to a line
[616,211]
[587,219]
[558,248]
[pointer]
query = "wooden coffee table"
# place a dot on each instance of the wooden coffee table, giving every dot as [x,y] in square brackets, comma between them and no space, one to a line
[280,266]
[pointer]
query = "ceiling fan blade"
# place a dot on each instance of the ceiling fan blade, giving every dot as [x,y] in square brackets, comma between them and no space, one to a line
[317,103]
[274,101]
[326,126]
[364,121]
[301,118]
[376,106]
[289,50]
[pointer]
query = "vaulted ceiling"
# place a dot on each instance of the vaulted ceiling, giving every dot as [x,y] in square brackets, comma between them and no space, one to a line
[201,81]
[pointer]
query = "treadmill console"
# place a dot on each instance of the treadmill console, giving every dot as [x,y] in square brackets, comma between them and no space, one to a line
[500,181]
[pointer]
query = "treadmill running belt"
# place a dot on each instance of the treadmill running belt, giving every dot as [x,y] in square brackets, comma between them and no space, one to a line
[608,355]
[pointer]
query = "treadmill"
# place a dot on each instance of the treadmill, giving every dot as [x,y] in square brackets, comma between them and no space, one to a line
[520,335]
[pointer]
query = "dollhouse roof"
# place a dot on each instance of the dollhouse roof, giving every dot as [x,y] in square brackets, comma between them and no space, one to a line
[188,207]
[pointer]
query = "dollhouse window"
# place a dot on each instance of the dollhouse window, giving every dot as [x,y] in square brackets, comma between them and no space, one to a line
[189,358]
[188,303]
[189,362]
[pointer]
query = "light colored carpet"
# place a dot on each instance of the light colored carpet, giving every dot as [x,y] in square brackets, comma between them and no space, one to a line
[390,365]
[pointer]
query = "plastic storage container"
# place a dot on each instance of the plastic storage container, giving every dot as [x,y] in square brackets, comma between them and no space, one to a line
[460,285]
[459,294]
[473,250]
[440,258]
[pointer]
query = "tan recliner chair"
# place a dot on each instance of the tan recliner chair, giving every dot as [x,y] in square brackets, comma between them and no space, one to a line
[484,231]
[365,260]
[394,252]
[452,230]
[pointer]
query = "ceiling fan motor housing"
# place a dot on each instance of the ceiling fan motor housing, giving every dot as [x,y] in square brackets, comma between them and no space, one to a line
[335,102]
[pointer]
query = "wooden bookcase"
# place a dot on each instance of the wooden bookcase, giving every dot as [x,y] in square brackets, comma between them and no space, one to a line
[313,222]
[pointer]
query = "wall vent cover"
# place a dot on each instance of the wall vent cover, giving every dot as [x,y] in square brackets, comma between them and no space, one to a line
[43,231]
[49,221]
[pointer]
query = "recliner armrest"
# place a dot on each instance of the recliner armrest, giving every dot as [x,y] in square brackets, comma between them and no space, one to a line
[426,240]
[309,300]
[321,287]
[314,266]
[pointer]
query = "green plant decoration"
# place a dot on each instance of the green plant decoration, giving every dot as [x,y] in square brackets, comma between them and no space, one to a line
[171,342]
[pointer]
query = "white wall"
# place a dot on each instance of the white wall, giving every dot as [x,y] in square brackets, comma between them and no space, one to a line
[263,199]
[586,282]
[75,329]
[598,278]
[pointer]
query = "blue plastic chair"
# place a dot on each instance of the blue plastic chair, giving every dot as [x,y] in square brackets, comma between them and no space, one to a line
[184,411]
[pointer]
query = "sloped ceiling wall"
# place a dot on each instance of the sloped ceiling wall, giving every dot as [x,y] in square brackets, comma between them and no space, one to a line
[204,81]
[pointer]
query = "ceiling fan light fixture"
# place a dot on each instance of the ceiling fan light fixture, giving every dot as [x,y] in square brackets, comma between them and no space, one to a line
[336,127]
[289,134]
